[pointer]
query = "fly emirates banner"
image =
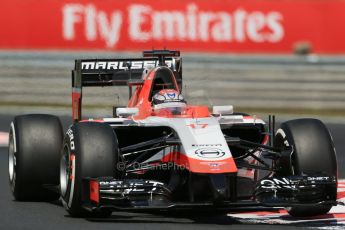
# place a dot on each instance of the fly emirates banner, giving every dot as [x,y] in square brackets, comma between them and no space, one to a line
[246,26]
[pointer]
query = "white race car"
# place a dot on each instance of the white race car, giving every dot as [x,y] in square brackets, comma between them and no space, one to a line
[160,152]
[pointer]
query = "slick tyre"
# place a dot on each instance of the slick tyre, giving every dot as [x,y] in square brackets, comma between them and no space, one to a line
[313,153]
[90,150]
[33,157]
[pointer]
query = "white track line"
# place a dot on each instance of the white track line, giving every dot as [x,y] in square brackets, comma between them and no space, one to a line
[3,139]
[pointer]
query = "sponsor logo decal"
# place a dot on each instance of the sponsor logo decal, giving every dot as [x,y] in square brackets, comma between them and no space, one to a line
[122,187]
[120,65]
[276,183]
[120,184]
[171,95]
[213,165]
[71,138]
[192,23]
[209,153]
[207,145]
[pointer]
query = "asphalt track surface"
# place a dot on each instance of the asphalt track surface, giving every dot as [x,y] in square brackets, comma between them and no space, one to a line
[40,215]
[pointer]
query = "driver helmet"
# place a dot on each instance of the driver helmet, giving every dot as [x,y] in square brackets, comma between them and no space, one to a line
[168,98]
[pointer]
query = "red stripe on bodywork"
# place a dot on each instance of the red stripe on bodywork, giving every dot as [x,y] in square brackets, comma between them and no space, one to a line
[94,191]
[93,120]
[265,141]
[76,106]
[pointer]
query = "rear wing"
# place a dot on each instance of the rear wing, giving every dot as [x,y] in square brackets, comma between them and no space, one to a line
[118,72]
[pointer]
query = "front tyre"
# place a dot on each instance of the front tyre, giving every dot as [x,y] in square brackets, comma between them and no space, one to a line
[33,157]
[91,150]
[313,154]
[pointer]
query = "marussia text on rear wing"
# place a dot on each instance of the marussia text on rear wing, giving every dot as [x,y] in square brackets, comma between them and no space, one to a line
[117,72]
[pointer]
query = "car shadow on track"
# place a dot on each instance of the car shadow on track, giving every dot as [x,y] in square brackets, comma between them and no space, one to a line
[190,217]
[168,217]
[177,217]
[203,218]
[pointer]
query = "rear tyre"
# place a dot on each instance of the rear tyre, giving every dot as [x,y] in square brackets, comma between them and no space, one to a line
[313,153]
[33,157]
[91,150]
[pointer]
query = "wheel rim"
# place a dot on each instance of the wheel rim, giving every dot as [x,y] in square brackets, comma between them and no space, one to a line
[64,171]
[11,161]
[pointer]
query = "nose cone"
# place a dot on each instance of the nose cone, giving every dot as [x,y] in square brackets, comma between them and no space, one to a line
[213,187]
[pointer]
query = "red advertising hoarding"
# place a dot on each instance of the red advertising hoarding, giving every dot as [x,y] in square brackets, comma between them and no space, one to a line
[246,26]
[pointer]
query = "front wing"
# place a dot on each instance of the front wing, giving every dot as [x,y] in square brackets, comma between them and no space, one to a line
[138,194]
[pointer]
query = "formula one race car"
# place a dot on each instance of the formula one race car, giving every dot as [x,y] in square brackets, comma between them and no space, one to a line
[160,152]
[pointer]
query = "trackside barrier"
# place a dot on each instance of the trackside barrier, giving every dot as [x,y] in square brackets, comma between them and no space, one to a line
[31,80]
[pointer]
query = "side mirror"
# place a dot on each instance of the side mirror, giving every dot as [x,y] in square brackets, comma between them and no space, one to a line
[127,112]
[223,110]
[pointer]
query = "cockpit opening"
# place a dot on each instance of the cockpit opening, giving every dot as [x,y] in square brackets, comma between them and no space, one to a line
[163,79]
